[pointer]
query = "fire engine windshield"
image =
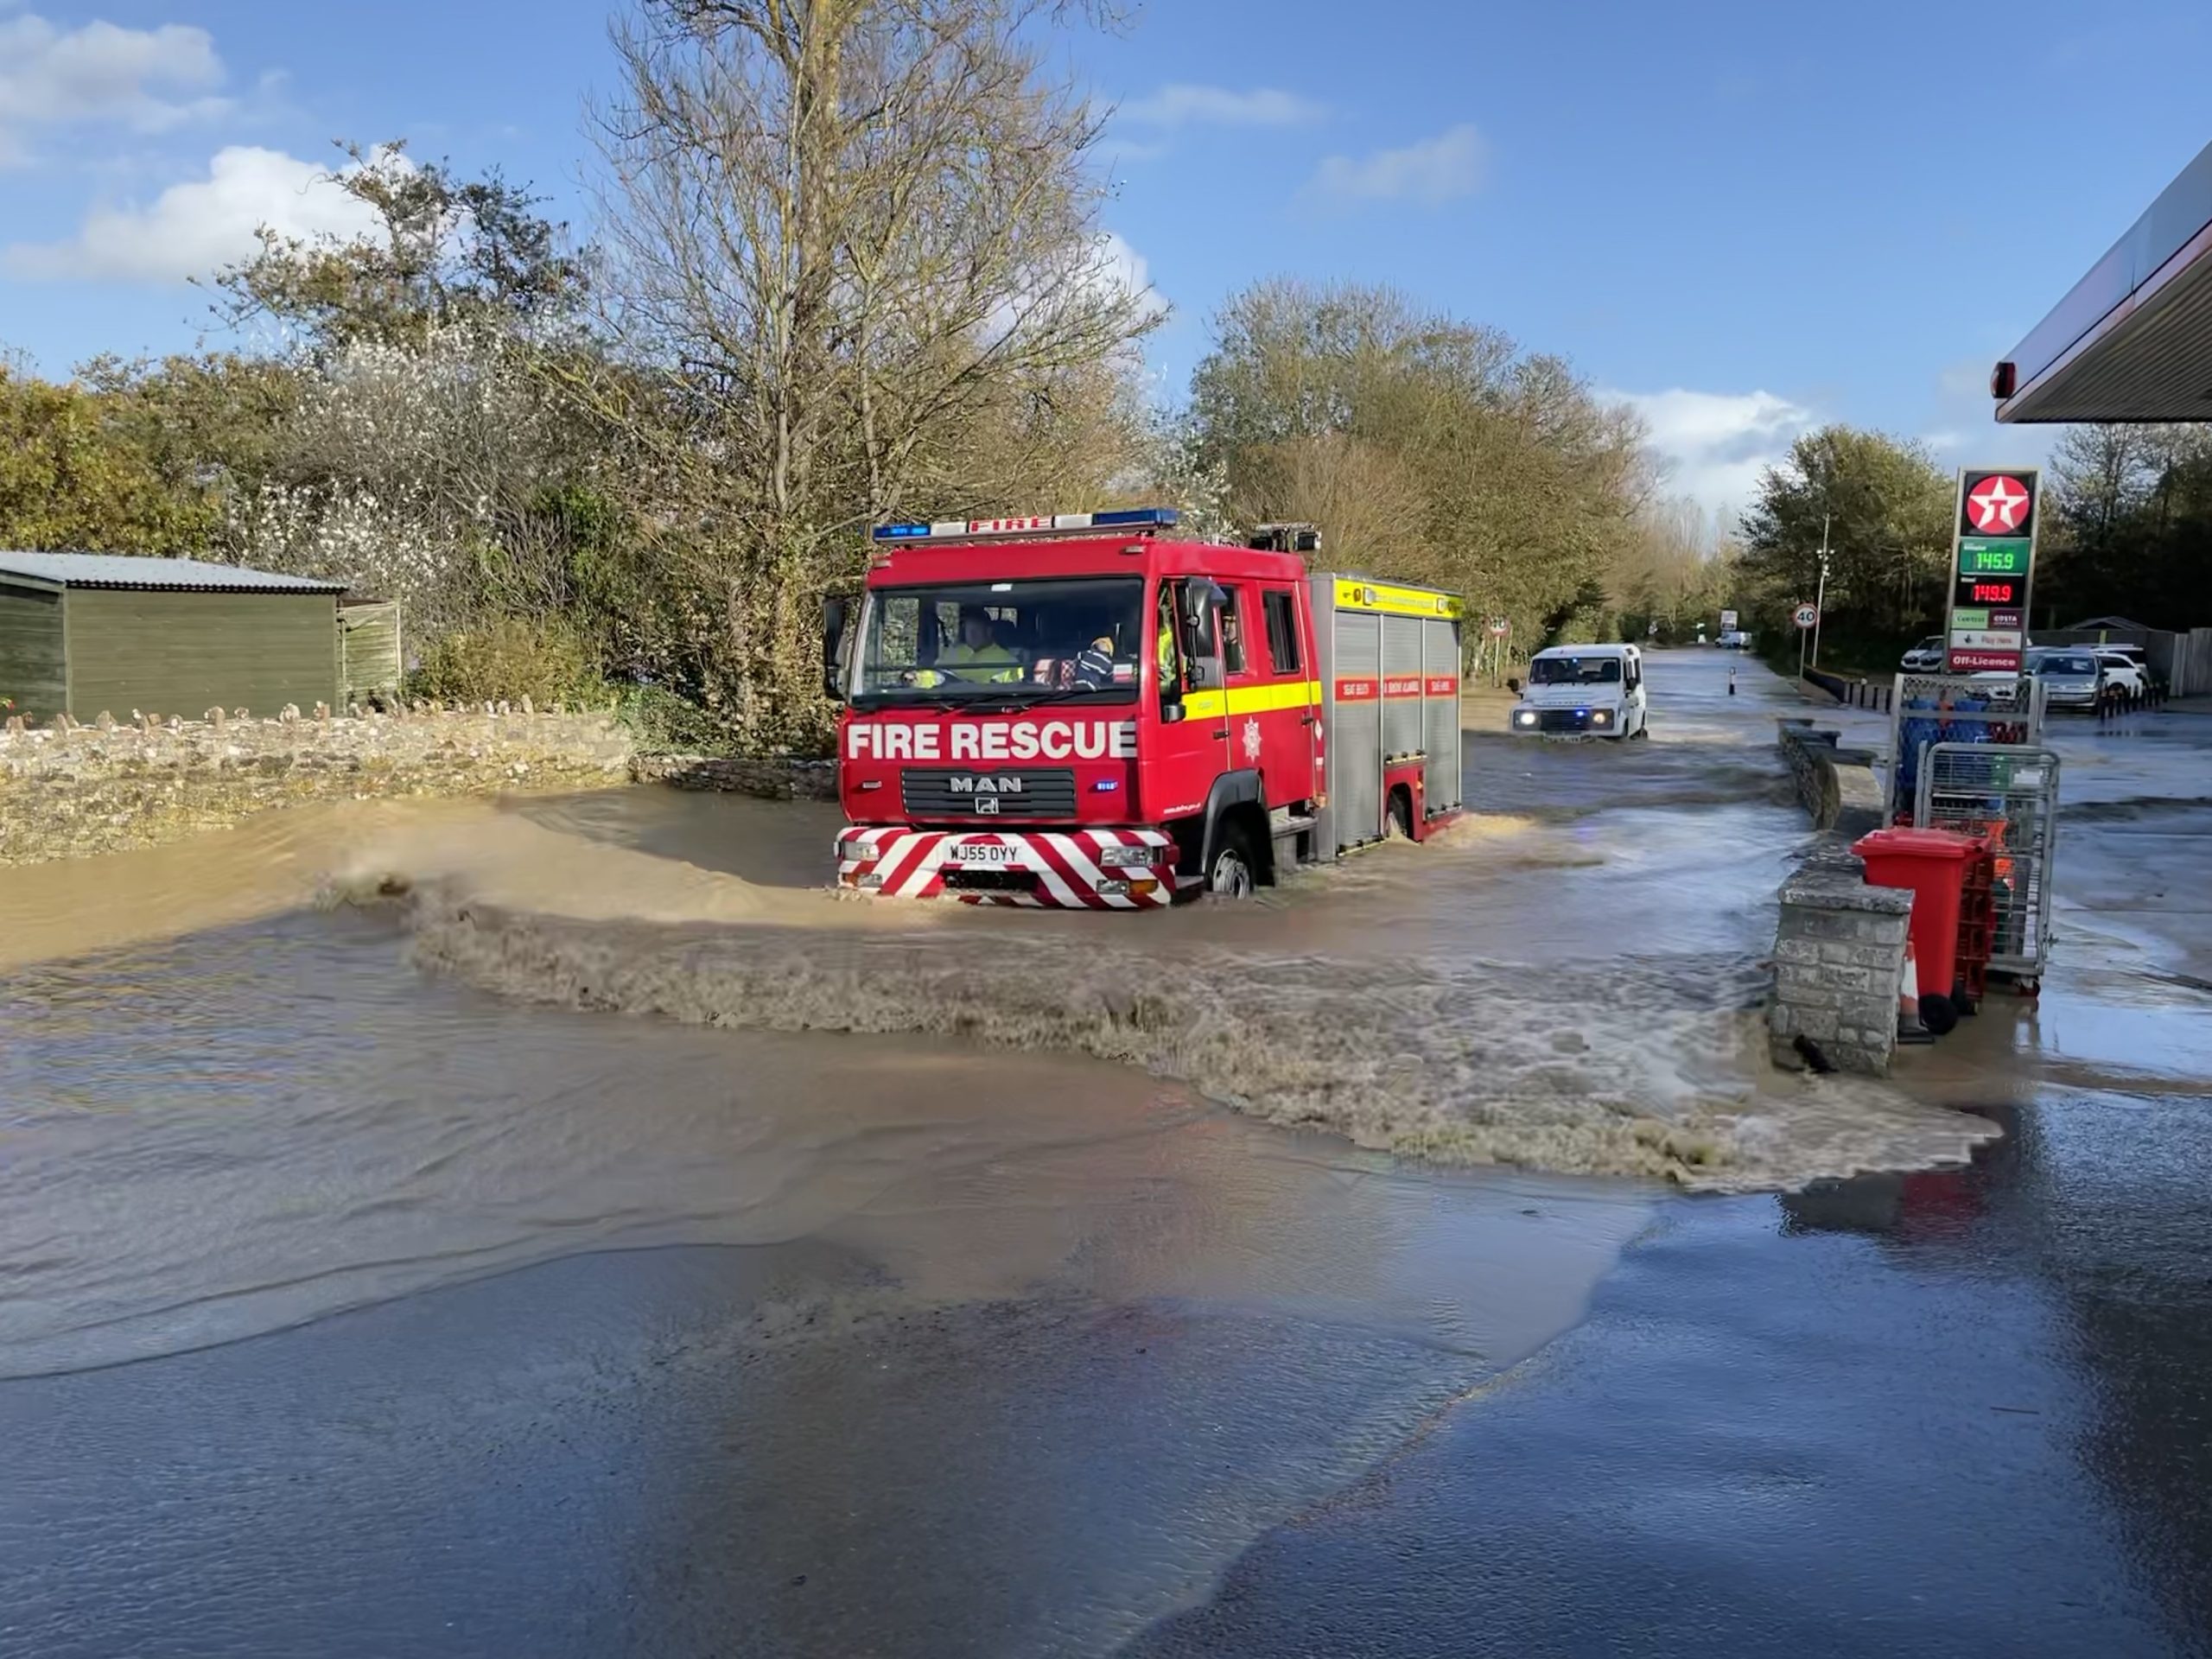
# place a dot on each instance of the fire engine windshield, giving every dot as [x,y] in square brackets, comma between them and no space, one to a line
[1575,671]
[1076,639]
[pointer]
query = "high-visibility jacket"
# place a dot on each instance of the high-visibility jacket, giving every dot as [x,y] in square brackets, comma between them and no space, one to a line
[993,665]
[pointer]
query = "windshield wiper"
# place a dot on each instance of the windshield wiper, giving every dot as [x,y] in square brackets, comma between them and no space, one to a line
[1013,704]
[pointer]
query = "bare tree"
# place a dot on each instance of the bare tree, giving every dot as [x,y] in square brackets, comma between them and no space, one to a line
[856,236]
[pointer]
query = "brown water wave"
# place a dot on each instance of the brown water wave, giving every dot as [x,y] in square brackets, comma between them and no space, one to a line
[1618,1067]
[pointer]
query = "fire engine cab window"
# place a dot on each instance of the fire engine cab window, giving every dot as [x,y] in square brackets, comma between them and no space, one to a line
[1232,630]
[1575,671]
[1076,638]
[1282,634]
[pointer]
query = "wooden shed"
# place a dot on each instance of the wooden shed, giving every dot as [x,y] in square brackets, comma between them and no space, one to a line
[84,633]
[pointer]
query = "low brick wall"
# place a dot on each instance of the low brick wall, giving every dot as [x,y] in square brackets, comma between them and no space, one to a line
[1837,787]
[66,792]
[1838,962]
[775,778]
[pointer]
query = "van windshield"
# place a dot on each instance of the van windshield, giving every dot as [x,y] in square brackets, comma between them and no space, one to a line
[1078,639]
[1575,671]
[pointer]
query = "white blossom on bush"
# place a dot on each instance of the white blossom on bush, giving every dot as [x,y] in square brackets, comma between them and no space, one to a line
[408,472]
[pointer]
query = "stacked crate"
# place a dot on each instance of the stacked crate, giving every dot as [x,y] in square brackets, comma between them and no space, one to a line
[1978,920]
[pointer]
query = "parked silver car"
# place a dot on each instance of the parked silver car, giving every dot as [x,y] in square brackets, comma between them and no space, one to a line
[2070,679]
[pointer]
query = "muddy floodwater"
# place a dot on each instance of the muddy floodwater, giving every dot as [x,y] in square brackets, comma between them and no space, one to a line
[315,1064]
[562,1226]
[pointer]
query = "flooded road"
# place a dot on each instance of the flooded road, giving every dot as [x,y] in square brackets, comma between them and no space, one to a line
[460,1321]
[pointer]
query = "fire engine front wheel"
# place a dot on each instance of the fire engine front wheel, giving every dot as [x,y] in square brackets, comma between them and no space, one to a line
[1230,875]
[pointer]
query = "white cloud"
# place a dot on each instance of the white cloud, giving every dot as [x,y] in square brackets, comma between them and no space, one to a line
[1718,444]
[1432,172]
[1123,266]
[147,80]
[196,227]
[1182,105]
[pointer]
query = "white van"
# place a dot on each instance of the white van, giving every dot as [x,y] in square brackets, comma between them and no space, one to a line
[1584,691]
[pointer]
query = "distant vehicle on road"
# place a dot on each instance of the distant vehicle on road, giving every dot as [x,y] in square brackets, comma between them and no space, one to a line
[1735,639]
[1584,691]
[2069,678]
[1926,658]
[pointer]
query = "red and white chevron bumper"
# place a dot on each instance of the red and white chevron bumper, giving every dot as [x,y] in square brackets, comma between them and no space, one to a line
[1072,869]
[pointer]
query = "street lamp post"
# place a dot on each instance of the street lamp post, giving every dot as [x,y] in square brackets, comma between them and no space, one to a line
[1820,599]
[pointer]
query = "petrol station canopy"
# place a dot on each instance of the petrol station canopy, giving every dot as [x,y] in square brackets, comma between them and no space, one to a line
[2132,340]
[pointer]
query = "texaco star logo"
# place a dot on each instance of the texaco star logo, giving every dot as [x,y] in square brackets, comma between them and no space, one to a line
[1252,742]
[1997,505]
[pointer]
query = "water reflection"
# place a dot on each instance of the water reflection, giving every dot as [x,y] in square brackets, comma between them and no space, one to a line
[2096,1202]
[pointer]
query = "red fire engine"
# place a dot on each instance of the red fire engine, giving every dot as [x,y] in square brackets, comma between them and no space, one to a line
[1084,710]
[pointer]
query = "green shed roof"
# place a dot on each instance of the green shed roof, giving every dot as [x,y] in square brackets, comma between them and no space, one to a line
[122,570]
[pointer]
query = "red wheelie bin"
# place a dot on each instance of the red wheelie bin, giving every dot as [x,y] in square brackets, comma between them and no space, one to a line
[1933,865]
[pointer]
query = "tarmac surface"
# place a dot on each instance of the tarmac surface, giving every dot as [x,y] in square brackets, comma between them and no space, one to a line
[1223,1388]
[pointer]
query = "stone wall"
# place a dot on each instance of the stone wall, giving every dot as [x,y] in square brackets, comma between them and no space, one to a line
[775,778]
[69,790]
[1876,695]
[1837,787]
[1838,962]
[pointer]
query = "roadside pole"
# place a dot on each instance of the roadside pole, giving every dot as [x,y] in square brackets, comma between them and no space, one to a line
[1820,599]
[1808,618]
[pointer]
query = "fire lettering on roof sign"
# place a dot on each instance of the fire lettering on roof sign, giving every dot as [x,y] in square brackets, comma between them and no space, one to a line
[971,740]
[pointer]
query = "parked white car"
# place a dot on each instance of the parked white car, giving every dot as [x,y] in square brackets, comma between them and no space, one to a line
[1926,658]
[2124,672]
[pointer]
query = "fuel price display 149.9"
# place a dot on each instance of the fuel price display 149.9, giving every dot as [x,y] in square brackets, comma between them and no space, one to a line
[1978,591]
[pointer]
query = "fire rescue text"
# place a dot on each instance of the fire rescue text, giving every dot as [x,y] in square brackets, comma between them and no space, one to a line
[964,740]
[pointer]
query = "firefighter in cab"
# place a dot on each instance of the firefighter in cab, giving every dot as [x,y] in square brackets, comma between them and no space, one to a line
[977,654]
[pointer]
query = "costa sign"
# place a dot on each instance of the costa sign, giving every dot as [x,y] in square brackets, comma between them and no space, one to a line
[976,740]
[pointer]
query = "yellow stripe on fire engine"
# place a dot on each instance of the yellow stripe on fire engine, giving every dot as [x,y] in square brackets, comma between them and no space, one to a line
[1398,601]
[1252,699]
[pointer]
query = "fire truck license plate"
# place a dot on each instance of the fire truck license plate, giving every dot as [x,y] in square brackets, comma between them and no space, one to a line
[985,852]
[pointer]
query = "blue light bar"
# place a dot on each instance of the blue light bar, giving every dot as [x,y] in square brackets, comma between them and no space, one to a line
[965,529]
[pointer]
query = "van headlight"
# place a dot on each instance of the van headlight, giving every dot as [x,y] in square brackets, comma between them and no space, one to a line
[1524,716]
[1601,716]
[1123,858]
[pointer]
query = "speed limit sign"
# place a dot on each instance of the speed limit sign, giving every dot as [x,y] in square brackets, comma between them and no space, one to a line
[1805,616]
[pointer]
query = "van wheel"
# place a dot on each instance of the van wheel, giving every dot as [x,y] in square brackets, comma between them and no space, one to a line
[1230,875]
[1643,730]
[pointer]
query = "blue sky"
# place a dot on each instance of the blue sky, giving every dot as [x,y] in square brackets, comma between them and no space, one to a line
[1749,217]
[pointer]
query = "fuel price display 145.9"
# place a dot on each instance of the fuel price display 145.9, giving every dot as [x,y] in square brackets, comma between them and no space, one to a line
[1993,558]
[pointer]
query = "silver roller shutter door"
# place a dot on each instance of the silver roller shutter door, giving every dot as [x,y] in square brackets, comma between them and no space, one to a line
[1402,733]
[1354,736]
[1440,713]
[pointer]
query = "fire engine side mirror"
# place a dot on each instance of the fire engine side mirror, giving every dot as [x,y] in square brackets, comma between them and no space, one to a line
[833,634]
[1205,600]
